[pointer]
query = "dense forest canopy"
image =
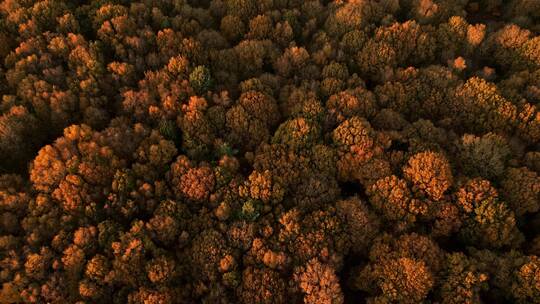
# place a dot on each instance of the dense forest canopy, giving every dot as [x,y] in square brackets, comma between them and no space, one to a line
[270,151]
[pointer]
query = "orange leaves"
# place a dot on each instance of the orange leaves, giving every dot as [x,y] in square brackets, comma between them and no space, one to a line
[194,183]
[429,173]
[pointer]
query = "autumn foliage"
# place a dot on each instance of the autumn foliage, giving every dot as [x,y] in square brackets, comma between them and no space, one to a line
[270,151]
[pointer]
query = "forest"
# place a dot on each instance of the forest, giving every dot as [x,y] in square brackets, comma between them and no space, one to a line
[270,151]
